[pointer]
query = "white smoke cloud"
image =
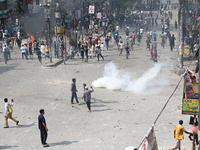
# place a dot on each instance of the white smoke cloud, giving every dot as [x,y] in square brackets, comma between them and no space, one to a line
[114,79]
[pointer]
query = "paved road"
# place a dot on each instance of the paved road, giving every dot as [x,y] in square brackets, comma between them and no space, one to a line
[119,119]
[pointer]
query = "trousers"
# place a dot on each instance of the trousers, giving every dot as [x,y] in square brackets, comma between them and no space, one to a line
[8,115]
[74,95]
[88,105]
[98,56]
[43,136]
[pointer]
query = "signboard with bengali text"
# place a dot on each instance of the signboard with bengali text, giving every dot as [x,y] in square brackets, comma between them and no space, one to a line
[91,9]
[190,105]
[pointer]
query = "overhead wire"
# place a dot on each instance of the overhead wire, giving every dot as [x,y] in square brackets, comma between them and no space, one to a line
[165,104]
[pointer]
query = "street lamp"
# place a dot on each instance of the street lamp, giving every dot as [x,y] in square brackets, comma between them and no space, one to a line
[47,15]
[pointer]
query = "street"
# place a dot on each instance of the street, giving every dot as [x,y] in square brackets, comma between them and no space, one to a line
[118,119]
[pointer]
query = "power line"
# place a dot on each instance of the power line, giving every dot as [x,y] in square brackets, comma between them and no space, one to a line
[165,104]
[169,99]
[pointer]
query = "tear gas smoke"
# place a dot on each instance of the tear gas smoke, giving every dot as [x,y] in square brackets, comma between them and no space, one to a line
[114,79]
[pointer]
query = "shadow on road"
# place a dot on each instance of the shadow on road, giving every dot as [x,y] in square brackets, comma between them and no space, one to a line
[101,101]
[24,125]
[101,110]
[98,105]
[7,147]
[6,68]
[62,143]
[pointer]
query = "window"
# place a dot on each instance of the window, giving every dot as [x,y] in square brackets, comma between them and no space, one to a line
[37,2]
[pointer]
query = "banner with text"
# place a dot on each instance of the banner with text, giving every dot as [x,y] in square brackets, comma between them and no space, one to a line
[190,105]
[149,142]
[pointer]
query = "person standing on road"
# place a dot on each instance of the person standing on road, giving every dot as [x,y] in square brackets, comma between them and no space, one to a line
[8,112]
[19,42]
[71,50]
[102,46]
[9,51]
[155,57]
[30,50]
[39,53]
[87,97]
[139,37]
[148,41]
[55,45]
[172,42]
[5,54]
[121,45]
[86,49]
[133,35]
[107,42]
[117,37]
[84,89]
[176,25]
[162,36]
[178,135]
[82,52]
[23,50]
[154,35]
[42,48]
[73,91]
[43,128]
[64,53]
[127,49]
[151,53]
[99,53]
[154,45]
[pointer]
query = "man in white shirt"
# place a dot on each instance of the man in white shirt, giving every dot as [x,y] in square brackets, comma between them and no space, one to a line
[141,31]
[117,28]
[98,49]
[102,46]
[121,45]
[5,53]
[23,50]
[8,112]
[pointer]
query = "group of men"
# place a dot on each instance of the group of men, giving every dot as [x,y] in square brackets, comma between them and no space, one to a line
[41,119]
[86,95]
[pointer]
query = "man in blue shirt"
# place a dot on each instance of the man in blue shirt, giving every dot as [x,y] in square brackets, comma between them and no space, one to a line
[154,35]
[43,128]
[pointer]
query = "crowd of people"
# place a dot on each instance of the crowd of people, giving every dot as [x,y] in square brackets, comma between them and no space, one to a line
[102,30]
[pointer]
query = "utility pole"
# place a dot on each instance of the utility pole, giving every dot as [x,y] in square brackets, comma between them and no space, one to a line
[199,103]
[182,30]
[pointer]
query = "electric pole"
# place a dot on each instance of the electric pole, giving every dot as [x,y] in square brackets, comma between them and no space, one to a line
[182,30]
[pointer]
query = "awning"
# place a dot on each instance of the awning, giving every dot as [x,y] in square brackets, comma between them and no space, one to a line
[4,14]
